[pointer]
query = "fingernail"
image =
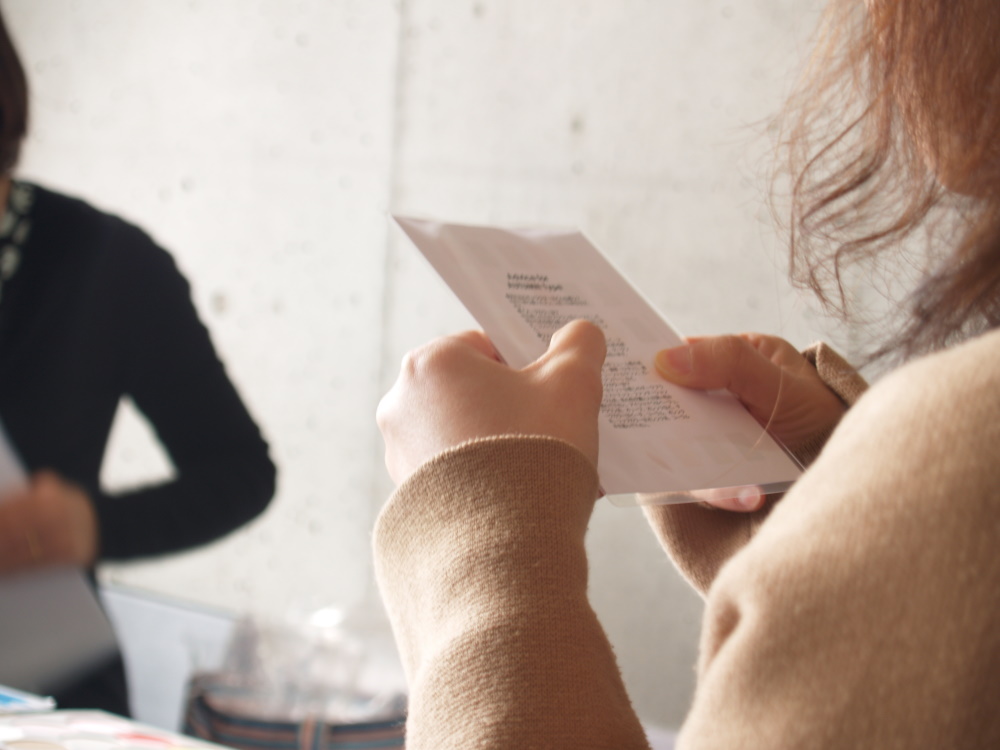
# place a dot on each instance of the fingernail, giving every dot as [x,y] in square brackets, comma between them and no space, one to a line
[676,361]
[749,498]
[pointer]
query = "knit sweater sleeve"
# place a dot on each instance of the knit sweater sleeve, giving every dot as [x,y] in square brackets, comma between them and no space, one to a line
[480,559]
[700,538]
[224,475]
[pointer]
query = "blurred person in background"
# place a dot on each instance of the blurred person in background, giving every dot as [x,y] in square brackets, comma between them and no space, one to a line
[91,311]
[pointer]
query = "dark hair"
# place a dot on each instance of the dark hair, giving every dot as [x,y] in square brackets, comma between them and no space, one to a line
[892,148]
[13,103]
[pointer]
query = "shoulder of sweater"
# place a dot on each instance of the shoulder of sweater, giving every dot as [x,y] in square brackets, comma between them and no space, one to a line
[910,467]
[917,438]
[70,224]
[960,374]
[68,208]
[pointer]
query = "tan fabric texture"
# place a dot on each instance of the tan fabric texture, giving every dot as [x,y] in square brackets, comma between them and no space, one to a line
[481,563]
[841,378]
[860,613]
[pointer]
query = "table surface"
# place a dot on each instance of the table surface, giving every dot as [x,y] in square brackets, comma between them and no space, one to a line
[73,729]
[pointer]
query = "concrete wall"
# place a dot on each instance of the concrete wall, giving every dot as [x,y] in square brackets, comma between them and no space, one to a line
[264,143]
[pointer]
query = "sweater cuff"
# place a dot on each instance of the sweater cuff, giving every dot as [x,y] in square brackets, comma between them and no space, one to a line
[837,373]
[842,379]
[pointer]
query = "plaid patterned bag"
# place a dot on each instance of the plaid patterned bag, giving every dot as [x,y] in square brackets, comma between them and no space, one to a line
[210,716]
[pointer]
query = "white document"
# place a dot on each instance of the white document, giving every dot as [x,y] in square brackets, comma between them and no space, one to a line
[523,285]
[52,628]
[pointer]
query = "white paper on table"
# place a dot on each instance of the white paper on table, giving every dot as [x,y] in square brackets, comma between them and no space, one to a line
[523,285]
[52,628]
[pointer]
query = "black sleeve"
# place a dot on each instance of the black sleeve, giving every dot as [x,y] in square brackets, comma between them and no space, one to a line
[224,475]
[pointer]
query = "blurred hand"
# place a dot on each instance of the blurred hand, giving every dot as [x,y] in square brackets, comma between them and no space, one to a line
[777,385]
[456,389]
[50,522]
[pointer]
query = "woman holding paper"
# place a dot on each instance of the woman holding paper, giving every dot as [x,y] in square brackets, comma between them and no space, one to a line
[857,611]
[92,310]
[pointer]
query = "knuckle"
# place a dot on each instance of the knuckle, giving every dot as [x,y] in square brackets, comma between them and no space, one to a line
[417,362]
[422,367]
[584,343]
[586,326]
[410,363]
[768,346]
[589,330]
[382,414]
[729,359]
[598,338]
[733,347]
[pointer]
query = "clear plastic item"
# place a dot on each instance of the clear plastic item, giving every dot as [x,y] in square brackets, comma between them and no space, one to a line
[320,665]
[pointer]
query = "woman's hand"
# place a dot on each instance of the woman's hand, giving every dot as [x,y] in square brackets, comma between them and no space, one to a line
[778,386]
[456,389]
[50,522]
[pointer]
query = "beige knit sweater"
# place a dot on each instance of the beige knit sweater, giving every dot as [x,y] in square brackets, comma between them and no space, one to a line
[863,611]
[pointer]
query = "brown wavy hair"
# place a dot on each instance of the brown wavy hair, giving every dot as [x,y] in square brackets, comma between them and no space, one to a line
[891,147]
[13,103]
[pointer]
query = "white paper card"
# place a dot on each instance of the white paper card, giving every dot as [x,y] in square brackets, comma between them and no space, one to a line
[523,285]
